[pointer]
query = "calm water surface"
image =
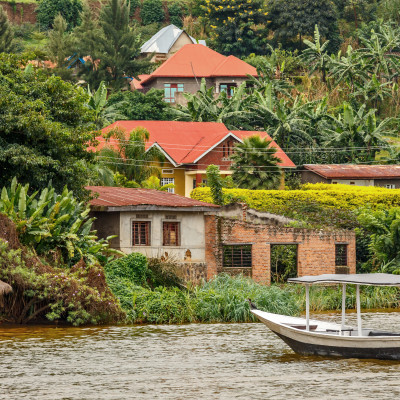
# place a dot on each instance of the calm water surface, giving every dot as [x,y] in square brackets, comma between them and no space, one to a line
[219,361]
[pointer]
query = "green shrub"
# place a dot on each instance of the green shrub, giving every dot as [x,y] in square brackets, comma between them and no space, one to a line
[49,9]
[132,267]
[176,12]
[134,5]
[152,11]
[53,223]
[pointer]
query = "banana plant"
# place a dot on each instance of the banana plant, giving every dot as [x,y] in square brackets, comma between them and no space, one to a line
[52,222]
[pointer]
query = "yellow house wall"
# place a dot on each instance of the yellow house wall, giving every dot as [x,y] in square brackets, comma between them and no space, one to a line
[178,174]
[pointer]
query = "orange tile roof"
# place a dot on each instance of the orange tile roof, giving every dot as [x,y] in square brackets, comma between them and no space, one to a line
[109,196]
[196,60]
[185,142]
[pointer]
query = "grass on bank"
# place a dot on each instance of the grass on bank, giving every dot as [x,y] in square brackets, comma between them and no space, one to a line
[222,299]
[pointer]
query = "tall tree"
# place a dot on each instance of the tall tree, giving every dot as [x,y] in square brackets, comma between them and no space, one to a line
[254,164]
[237,27]
[59,46]
[291,20]
[6,33]
[45,126]
[113,54]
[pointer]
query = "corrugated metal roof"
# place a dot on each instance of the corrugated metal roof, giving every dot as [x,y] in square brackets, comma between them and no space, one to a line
[163,40]
[119,197]
[354,171]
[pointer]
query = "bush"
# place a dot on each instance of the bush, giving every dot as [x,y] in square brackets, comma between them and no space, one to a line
[176,12]
[49,9]
[132,267]
[152,11]
[342,197]
[134,5]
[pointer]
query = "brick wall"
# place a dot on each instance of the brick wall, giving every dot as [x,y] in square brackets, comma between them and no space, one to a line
[316,249]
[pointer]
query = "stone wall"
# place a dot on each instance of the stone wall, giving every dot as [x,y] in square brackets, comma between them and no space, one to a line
[316,248]
[193,272]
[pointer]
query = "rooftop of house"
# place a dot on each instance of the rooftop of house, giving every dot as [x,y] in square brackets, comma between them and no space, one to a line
[187,142]
[353,171]
[163,40]
[199,61]
[118,198]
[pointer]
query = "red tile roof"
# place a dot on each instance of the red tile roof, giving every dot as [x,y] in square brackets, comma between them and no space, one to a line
[286,162]
[119,197]
[185,142]
[353,171]
[196,60]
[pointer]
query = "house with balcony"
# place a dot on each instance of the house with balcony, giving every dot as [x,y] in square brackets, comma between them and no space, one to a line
[189,147]
[185,69]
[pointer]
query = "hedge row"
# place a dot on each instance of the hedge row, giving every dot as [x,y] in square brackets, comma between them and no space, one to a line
[342,197]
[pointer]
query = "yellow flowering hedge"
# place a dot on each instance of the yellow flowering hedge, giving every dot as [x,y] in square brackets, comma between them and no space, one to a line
[342,197]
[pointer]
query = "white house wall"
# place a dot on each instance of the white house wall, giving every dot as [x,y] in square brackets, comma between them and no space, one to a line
[192,236]
[355,182]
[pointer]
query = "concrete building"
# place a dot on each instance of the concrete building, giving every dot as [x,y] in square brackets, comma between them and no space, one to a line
[165,43]
[189,147]
[155,223]
[387,176]
[184,70]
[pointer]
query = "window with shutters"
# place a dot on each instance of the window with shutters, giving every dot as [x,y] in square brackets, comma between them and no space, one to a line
[140,233]
[171,234]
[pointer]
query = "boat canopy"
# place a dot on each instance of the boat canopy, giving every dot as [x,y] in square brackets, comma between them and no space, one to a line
[355,279]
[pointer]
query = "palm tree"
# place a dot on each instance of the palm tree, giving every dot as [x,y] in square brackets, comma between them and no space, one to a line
[129,157]
[254,164]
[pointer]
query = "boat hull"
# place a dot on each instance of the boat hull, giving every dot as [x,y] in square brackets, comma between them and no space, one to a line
[308,349]
[324,343]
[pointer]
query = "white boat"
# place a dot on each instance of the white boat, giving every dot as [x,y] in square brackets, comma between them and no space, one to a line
[312,337]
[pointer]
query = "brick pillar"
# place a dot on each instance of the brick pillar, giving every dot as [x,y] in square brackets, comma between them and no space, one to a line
[211,245]
[261,258]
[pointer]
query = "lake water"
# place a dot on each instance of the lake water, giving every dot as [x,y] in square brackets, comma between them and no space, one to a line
[216,361]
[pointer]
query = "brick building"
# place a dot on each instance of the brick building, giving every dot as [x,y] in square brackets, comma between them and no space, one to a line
[241,241]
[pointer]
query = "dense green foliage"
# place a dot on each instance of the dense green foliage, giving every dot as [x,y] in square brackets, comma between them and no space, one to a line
[40,291]
[292,20]
[49,9]
[236,26]
[55,225]
[152,11]
[134,105]
[254,164]
[214,182]
[44,129]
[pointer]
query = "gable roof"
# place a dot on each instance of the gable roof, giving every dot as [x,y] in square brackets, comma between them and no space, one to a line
[186,142]
[163,40]
[353,171]
[196,60]
[122,197]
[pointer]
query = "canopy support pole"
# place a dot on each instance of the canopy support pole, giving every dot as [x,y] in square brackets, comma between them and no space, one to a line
[343,305]
[358,311]
[307,307]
